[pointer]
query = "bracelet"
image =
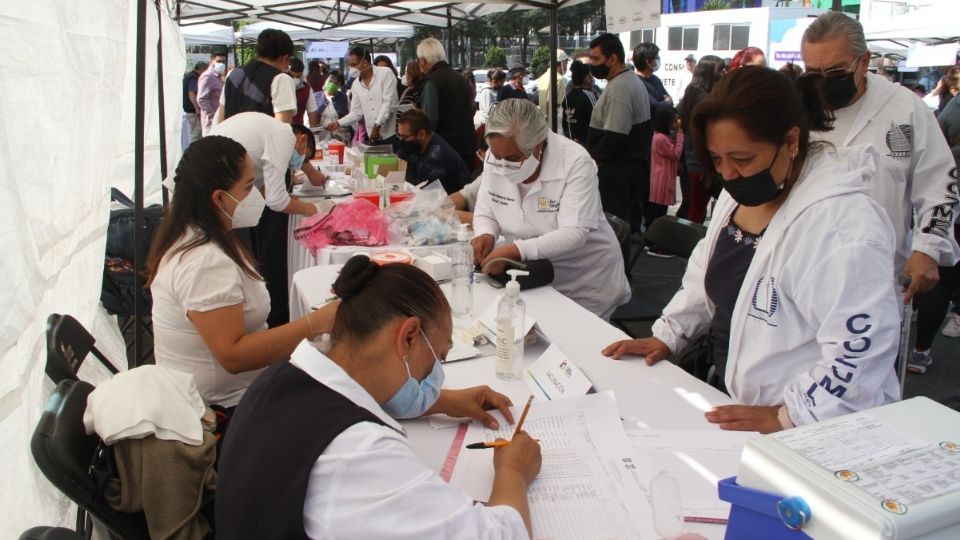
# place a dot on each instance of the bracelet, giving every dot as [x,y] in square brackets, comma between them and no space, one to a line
[784,417]
[312,334]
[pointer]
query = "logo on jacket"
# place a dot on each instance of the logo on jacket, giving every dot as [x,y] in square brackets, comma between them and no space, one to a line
[900,140]
[765,301]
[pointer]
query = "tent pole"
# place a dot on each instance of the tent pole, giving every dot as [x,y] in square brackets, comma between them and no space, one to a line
[138,145]
[162,108]
[449,33]
[554,45]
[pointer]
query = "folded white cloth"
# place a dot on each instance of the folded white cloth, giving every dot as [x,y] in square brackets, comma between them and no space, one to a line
[148,400]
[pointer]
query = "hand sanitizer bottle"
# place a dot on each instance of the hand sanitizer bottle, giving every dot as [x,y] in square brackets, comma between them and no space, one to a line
[462,294]
[511,315]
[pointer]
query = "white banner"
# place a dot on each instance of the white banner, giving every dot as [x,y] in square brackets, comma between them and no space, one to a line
[325,49]
[629,15]
[931,55]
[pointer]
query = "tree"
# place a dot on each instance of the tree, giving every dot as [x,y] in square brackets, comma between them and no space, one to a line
[540,61]
[496,58]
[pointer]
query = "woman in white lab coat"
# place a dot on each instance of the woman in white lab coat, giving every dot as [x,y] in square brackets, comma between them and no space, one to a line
[314,449]
[792,282]
[539,190]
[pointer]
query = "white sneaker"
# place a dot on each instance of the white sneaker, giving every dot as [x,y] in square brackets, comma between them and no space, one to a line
[952,327]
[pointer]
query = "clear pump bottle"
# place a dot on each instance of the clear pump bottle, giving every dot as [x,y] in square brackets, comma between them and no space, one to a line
[462,286]
[511,317]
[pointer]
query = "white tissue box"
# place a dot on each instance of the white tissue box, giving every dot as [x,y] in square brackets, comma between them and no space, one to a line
[436,265]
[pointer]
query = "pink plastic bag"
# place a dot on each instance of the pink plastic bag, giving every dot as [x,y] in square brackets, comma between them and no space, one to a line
[355,223]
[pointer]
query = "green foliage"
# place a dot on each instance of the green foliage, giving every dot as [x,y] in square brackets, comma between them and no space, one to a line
[496,58]
[713,5]
[540,61]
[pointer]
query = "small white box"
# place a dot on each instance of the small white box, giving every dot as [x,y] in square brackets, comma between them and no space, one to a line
[436,265]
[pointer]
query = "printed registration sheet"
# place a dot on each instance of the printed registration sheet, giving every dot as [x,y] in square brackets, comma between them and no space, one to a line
[895,467]
[586,489]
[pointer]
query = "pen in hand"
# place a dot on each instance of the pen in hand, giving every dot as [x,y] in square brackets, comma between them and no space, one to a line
[498,444]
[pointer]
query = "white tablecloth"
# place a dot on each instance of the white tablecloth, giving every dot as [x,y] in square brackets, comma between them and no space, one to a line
[662,396]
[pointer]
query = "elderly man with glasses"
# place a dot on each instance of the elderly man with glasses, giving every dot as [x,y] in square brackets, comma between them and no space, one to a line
[916,173]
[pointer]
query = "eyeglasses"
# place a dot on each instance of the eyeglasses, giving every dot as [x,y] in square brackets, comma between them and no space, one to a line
[502,163]
[831,73]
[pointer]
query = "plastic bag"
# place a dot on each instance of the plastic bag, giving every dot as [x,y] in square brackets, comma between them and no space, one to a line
[355,223]
[426,219]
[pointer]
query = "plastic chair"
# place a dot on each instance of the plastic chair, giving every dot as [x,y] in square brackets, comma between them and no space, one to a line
[671,235]
[68,344]
[66,455]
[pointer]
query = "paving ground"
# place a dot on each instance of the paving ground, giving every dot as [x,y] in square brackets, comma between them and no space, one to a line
[661,277]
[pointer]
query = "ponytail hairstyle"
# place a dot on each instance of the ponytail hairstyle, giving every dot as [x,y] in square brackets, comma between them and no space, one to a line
[209,164]
[766,104]
[372,295]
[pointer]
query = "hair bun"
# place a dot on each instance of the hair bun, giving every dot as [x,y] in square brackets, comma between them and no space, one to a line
[355,275]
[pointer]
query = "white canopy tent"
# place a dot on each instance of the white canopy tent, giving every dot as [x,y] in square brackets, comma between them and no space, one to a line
[935,24]
[353,31]
[208,34]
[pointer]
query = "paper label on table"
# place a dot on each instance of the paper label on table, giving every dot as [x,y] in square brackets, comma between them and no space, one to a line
[696,460]
[555,376]
[853,442]
[585,489]
[460,350]
[913,478]
[489,318]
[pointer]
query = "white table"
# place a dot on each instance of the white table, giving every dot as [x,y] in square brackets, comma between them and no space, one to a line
[662,396]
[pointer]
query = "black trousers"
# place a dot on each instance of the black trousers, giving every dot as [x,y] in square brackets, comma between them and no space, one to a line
[932,306]
[269,239]
[618,181]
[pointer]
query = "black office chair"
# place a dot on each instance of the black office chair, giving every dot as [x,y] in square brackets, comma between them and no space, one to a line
[67,456]
[672,236]
[68,344]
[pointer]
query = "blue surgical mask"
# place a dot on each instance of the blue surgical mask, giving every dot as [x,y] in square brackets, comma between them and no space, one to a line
[415,397]
[296,160]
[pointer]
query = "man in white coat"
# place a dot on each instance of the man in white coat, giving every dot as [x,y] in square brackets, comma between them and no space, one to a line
[916,172]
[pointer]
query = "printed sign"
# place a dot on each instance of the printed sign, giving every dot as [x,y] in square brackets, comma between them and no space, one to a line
[325,49]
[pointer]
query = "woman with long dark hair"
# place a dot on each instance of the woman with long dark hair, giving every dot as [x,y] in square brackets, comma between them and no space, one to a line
[210,303]
[708,71]
[792,282]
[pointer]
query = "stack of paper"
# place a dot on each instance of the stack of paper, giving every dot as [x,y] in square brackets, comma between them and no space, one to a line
[586,488]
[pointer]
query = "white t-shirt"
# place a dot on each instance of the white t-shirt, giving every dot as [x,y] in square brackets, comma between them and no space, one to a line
[283,93]
[203,279]
[269,143]
[843,120]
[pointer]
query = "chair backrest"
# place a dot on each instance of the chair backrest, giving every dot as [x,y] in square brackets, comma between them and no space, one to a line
[620,228]
[675,236]
[64,453]
[68,344]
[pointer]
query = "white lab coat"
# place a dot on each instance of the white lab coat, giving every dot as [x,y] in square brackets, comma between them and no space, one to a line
[559,219]
[369,483]
[816,324]
[916,170]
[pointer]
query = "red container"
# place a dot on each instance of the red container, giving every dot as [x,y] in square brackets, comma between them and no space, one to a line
[336,148]
[372,196]
[399,196]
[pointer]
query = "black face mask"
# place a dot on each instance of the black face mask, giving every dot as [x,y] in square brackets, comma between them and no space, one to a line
[411,147]
[599,71]
[838,91]
[755,189]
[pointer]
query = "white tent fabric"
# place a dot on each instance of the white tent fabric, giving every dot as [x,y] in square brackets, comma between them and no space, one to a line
[354,31]
[61,147]
[934,23]
[208,34]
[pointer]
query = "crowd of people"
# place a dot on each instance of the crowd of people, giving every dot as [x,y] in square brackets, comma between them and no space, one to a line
[828,183]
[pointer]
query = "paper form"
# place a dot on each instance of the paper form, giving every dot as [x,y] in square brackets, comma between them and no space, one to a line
[854,442]
[555,376]
[697,460]
[585,489]
[914,478]
[897,468]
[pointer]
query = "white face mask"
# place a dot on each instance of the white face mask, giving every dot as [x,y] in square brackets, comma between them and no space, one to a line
[354,72]
[515,173]
[248,211]
[219,68]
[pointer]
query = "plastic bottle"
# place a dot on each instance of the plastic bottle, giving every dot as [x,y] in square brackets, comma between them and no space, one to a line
[462,295]
[511,316]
